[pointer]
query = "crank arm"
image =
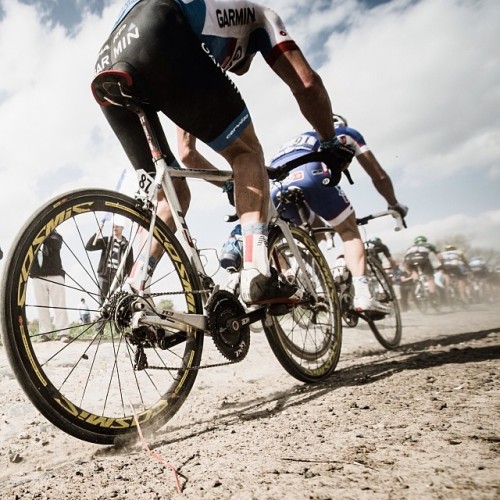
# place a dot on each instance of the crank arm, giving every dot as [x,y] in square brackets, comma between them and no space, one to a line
[235,324]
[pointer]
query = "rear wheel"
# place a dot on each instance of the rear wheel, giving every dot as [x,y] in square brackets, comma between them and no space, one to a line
[306,338]
[92,386]
[421,296]
[387,328]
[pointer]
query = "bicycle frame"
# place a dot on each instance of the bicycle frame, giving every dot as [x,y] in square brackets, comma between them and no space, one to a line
[164,180]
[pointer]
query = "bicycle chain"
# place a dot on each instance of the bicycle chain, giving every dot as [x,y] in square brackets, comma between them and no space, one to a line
[193,368]
[196,292]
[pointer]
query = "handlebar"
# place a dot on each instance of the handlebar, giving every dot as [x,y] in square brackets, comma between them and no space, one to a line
[400,223]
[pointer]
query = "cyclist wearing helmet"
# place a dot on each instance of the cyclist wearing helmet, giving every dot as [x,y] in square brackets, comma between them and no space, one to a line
[455,264]
[177,52]
[377,247]
[423,255]
[483,276]
[331,203]
[479,267]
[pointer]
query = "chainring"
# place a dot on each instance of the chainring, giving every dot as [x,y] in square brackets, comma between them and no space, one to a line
[230,337]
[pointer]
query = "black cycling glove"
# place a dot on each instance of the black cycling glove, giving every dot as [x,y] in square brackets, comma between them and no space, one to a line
[344,154]
[341,156]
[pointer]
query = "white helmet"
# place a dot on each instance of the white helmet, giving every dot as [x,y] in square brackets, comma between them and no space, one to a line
[339,121]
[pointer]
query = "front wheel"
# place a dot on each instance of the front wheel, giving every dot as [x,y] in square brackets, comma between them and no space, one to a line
[307,338]
[388,328]
[103,376]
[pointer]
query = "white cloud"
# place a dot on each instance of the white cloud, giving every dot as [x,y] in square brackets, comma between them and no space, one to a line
[423,80]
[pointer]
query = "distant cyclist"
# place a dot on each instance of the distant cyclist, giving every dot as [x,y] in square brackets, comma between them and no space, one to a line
[455,264]
[378,248]
[177,52]
[331,203]
[423,255]
[483,275]
[479,267]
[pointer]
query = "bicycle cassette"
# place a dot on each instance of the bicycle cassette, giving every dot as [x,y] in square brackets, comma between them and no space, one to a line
[231,338]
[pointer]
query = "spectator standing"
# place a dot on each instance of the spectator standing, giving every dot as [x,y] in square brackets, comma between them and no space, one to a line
[48,278]
[112,250]
[84,310]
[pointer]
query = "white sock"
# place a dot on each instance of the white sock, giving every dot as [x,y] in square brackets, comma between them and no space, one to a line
[255,248]
[361,287]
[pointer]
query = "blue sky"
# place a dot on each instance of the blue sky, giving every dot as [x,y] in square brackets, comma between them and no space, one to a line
[419,79]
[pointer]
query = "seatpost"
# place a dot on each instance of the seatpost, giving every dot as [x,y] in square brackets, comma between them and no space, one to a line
[163,179]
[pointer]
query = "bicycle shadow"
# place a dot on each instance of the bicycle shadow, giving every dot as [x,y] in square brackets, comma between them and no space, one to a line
[439,341]
[414,356]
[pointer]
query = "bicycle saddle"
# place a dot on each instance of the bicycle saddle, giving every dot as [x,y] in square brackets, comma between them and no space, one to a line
[114,87]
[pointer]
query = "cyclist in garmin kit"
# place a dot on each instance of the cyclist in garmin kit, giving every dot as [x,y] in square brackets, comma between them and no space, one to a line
[178,52]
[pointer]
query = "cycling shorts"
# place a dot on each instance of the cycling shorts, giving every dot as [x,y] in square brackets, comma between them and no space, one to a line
[155,43]
[418,259]
[457,270]
[330,203]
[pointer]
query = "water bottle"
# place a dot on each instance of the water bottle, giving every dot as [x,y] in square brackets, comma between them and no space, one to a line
[231,257]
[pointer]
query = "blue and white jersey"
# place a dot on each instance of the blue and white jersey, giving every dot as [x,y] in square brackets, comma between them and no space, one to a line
[308,142]
[331,204]
[233,31]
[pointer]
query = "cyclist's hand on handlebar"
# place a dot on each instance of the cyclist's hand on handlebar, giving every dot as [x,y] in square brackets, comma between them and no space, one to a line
[228,188]
[399,208]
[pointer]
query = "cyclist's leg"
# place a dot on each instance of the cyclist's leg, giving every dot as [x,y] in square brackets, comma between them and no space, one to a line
[355,256]
[354,250]
[334,206]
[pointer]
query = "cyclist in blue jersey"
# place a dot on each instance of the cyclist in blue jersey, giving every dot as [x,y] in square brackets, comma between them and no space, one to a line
[331,203]
[178,52]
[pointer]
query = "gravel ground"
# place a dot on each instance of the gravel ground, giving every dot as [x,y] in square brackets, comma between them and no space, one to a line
[419,422]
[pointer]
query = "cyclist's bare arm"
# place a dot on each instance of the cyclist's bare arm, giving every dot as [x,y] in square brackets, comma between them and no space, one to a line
[307,87]
[378,175]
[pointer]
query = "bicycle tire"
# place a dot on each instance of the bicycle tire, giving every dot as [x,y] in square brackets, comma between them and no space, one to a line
[307,339]
[88,387]
[388,329]
[420,297]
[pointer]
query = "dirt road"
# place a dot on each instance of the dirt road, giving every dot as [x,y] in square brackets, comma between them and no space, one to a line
[419,422]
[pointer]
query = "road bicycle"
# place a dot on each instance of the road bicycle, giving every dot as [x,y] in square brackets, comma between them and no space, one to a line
[387,327]
[421,294]
[453,298]
[136,362]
